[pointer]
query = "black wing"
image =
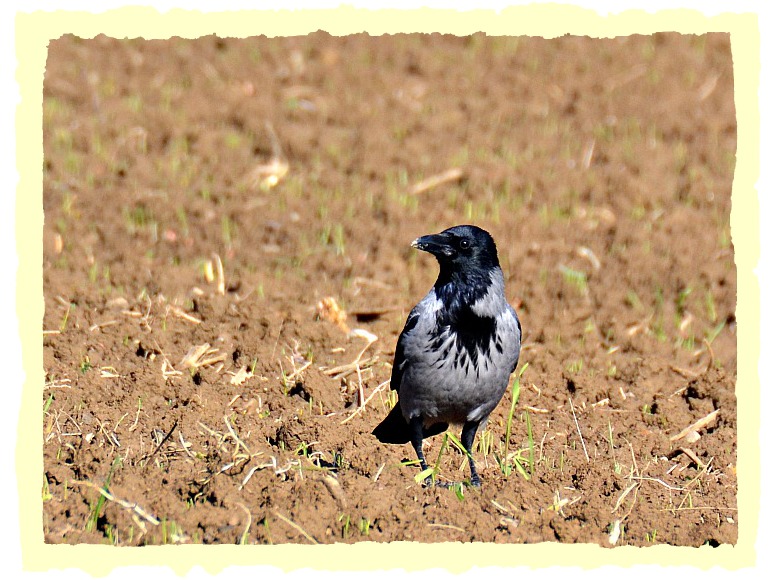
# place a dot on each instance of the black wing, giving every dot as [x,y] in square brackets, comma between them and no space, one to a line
[520,336]
[399,363]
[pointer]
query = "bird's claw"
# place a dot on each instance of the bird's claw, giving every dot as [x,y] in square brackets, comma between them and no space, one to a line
[449,484]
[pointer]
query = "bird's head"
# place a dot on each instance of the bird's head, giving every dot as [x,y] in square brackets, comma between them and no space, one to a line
[461,250]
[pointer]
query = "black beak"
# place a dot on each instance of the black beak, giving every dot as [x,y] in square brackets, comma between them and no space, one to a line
[436,244]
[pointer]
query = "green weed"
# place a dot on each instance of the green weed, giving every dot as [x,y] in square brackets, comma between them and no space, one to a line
[182,217]
[228,230]
[46,495]
[508,460]
[133,103]
[63,324]
[171,532]
[575,367]
[85,365]
[632,299]
[576,278]
[346,522]
[714,332]
[681,300]
[47,404]
[390,400]
[687,343]
[711,309]
[96,508]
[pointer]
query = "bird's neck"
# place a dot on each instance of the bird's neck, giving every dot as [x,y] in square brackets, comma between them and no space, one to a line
[460,290]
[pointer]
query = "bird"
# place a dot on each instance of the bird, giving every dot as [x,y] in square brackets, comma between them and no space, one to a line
[458,348]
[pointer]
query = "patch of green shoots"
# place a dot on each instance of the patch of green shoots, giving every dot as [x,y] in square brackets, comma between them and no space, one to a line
[458,489]
[228,229]
[391,400]
[171,532]
[576,278]
[63,324]
[714,332]
[182,217]
[632,299]
[575,367]
[96,509]
[85,365]
[518,461]
[46,496]
[47,404]
[681,300]
[711,309]
[346,522]
[433,471]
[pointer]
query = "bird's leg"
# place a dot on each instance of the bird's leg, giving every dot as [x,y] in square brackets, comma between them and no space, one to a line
[417,436]
[468,437]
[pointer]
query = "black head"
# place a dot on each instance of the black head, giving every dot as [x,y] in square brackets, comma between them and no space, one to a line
[461,250]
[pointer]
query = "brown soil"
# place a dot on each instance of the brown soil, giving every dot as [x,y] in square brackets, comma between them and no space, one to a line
[603,168]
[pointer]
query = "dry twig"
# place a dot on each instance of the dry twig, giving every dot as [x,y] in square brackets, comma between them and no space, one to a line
[577,424]
[699,424]
[453,174]
[132,506]
[296,527]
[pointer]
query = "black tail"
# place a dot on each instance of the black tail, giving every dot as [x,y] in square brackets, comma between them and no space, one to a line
[395,429]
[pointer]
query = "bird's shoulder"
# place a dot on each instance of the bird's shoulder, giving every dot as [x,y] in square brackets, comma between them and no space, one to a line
[511,315]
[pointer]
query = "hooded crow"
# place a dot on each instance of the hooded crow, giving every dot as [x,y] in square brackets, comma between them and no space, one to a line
[458,348]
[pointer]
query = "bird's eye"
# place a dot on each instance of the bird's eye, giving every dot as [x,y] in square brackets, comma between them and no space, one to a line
[464,244]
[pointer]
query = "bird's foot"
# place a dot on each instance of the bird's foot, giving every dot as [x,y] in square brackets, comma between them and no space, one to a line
[444,484]
[430,481]
[450,484]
